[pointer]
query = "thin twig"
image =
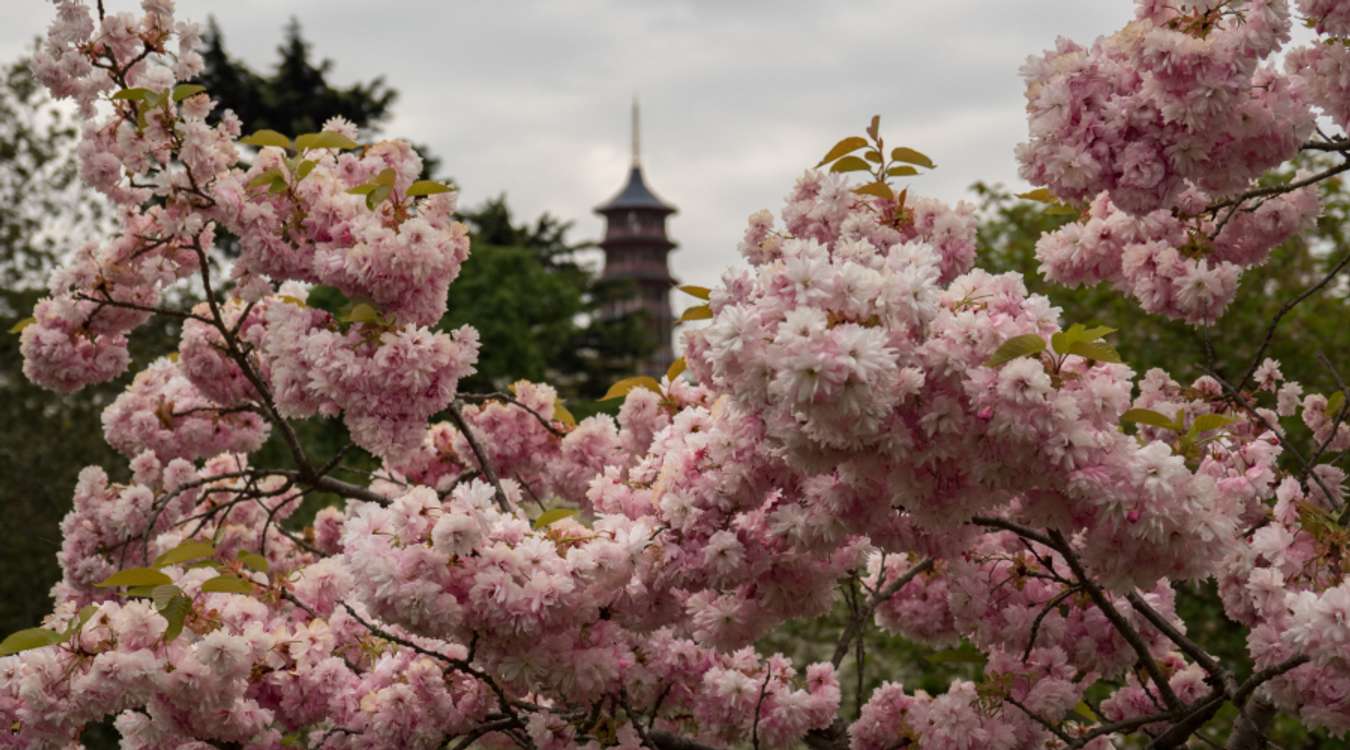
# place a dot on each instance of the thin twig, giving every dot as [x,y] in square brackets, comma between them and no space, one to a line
[1126,630]
[857,623]
[486,466]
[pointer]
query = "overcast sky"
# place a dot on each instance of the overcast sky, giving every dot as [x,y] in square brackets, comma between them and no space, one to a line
[532,98]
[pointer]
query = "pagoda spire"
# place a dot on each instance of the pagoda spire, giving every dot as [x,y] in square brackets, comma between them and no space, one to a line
[637,135]
[636,248]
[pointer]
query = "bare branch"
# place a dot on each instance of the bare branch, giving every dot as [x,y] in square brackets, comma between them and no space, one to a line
[856,624]
[486,466]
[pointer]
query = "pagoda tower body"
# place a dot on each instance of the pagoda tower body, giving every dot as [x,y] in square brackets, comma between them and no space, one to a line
[636,249]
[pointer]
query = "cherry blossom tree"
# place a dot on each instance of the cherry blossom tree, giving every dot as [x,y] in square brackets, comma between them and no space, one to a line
[862,406]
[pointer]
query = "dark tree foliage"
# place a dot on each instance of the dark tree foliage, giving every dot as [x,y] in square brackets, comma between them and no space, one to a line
[296,97]
[536,306]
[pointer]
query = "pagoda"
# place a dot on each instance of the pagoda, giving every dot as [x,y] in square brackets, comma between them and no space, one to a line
[636,247]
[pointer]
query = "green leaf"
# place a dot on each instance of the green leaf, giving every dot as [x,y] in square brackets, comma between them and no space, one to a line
[263,138]
[910,156]
[304,169]
[1063,341]
[1061,209]
[621,388]
[697,312]
[141,592]
[702,292]
[1148,417]
[427,187]
[1335,403]
[29,638]
[254,561]
[327,298]
[362,313]
[162,595]
[553,515]
[184,90]
[227,585]
[365,188]
[267,177]
[385,177]
[850,164]
[846,146]
[135,577]
[22,324]
[133,94]
[377,196]
[76,624]
[326,139]
[1026,345]
[1094,350]
[562,414]
[174,612]
[904,170]
[1040,195]
[878,189]
[192,549]
[1207,422]
[676,367]
[1095,332]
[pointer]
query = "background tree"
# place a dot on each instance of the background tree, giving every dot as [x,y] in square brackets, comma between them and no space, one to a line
[532,278]
[296,97]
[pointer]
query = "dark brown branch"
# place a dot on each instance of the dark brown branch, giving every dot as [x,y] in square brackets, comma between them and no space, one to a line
[1281,189]
[483,464]
[1285,310]
[857,623]
[1187,646]
[508,398]
[1040,617]
[1121,625]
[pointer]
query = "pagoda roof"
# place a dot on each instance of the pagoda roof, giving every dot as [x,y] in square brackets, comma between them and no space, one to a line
[635,195]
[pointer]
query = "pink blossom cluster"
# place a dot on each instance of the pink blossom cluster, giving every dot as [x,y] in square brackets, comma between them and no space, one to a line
[385,381]
[79,333]
[1284,579]
[162,411]
[1327,16]
[1176,99]
[205,357]
[305,221]
[453,567]
[1185,269]
[820,205]
[1324,69]
[851,355]
[955,720]
[400,257]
